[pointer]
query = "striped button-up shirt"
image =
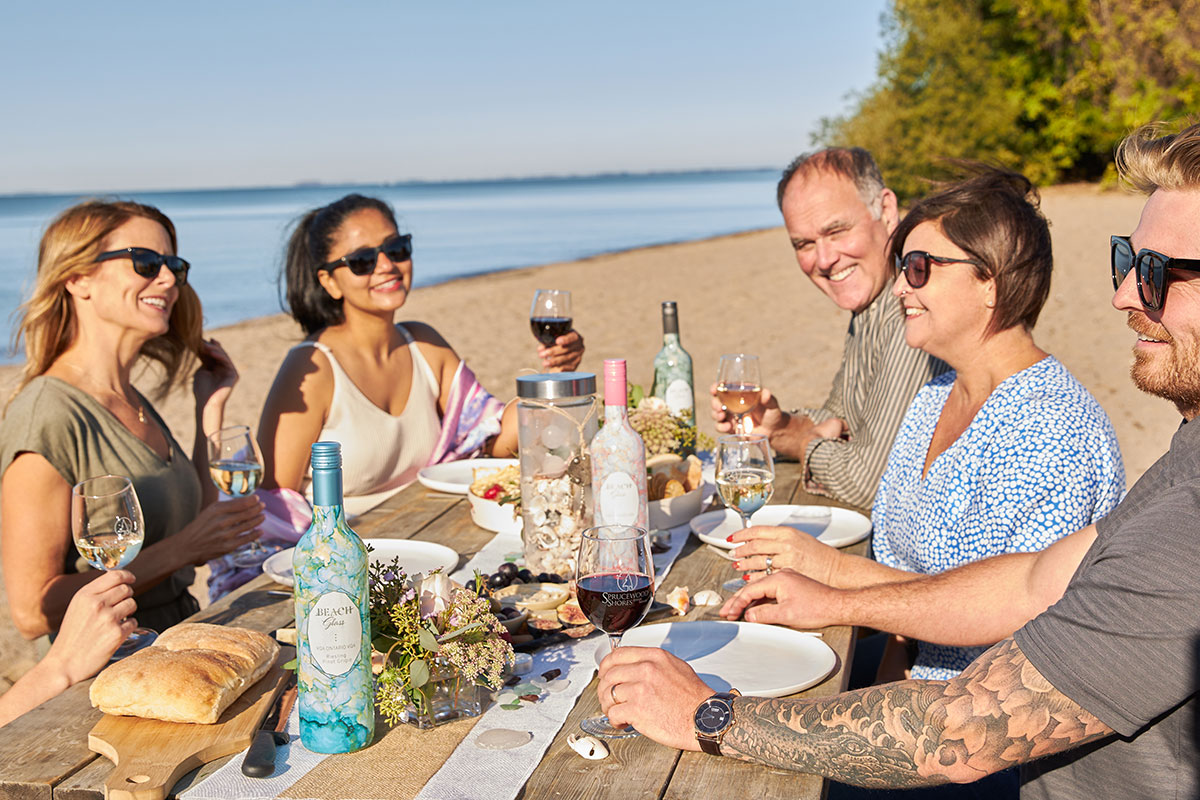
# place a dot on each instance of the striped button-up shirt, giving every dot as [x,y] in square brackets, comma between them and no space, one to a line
[878,379]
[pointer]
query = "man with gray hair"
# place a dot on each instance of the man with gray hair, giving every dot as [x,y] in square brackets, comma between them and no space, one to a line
[1095,694]
[839,215]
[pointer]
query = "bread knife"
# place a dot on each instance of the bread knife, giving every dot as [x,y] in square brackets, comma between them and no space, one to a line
[260,758]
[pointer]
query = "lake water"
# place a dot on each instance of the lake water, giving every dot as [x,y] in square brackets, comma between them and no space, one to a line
[234,238]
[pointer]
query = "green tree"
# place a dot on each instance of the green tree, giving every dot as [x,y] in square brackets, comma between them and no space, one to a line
[1044,86]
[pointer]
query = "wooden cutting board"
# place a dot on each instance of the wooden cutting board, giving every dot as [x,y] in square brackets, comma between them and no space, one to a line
[152,755]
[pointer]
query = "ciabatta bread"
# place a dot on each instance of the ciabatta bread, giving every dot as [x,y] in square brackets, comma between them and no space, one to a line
[192,673]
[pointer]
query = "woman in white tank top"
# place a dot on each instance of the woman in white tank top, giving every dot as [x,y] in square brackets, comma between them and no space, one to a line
[379,388]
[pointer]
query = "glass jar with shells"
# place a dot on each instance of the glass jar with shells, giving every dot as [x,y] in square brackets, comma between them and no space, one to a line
[557,417]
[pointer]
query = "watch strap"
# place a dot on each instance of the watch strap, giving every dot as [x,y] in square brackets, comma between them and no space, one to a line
[711,743]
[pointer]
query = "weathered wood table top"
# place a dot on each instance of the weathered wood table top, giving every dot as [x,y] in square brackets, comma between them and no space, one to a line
[44,753]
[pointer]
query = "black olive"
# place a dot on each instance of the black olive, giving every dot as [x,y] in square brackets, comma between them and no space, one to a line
[471,586]
[545,577]
[525,575]
[507,569]
[516,582]
[497,581]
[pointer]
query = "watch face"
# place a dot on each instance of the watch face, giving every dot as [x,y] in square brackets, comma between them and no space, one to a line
[713,716]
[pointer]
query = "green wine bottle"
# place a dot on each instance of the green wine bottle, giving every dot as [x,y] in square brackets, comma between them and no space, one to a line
[673,369]
[333,623]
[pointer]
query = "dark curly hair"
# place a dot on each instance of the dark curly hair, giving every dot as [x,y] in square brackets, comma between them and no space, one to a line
[308,248]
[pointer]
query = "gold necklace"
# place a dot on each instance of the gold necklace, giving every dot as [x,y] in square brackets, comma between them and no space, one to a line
[139,408]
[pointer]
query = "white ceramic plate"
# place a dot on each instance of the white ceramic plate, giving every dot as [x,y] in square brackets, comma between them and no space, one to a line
[455,477]
[491,516]
[758,660]
[414,557]
[836,527]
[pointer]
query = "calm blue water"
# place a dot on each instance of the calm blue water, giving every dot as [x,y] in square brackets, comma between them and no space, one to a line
[234,238]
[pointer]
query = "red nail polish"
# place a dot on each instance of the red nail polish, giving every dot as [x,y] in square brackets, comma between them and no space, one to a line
[745,576]
[729,538]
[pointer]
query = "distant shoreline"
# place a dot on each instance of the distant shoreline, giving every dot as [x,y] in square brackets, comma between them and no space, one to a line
[399,184]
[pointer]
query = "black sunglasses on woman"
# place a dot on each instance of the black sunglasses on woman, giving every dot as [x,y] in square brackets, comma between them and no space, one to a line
[1152,269]
[362,262]
[148,263]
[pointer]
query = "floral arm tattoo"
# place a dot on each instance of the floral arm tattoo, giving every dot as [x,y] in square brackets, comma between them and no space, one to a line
[998,713]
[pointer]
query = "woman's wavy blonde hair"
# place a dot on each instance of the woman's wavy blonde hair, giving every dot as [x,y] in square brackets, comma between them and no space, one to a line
[68,249]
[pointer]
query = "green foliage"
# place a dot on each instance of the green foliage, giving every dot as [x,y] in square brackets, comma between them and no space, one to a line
[1047,87]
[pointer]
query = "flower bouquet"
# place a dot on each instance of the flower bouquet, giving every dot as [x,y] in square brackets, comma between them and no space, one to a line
[662,431]
[444,651]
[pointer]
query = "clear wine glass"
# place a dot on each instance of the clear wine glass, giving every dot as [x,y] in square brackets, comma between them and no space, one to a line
[108,529]
[550,315]
[745,479]
[614,580]
[738,387]
[235,466]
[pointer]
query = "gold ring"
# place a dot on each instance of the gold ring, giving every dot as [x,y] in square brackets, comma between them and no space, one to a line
[612,692]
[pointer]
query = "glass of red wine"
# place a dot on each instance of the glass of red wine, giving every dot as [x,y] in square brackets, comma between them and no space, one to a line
[614,579]
[550,315]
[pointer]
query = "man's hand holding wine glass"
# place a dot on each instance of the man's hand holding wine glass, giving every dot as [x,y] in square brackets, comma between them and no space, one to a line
[654,692]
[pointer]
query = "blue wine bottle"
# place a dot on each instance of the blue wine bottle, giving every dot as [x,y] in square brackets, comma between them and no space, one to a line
[333,623]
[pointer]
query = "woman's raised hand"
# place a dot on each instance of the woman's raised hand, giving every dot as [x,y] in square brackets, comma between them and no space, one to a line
[788,549]
[220,528]
[564,355]
[215,378]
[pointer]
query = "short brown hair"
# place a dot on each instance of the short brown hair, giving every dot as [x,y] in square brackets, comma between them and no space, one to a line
[68,249]
[1150,158]
[852,163]
[994,217]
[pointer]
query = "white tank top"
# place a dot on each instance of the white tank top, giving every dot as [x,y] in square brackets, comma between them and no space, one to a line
[381,453]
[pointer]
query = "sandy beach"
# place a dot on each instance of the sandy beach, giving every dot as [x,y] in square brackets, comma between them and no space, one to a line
[735,293]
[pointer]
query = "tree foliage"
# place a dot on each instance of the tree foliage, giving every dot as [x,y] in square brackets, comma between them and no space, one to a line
[1044,86]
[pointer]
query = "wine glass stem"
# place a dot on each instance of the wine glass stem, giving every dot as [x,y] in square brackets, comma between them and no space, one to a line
[614,639]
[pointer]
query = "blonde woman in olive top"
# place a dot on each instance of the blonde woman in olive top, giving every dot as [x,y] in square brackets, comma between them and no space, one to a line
[111,292]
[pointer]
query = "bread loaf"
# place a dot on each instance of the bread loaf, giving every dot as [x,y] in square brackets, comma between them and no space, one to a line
[192,673]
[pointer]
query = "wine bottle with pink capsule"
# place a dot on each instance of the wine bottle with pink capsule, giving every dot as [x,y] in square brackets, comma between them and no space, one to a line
[618,458]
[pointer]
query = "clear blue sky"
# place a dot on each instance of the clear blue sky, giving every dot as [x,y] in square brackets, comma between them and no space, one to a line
[137,95]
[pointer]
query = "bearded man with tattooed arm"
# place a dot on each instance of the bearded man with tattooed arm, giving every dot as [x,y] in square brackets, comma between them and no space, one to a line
[1095,694]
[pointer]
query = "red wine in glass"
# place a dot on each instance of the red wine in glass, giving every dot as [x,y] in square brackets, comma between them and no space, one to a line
[547,329]
[615,601]
[614,581]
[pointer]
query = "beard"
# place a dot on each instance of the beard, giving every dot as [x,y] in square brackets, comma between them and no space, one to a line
[1174,374]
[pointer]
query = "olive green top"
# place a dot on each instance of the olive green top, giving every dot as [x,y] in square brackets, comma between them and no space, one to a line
[83,439]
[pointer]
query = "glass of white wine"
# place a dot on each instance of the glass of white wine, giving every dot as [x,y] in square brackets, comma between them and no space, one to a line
[745,479]
[235,465]
[108,529]
[738,388]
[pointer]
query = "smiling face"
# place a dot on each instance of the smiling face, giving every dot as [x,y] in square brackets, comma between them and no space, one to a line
[1166,356]
[947,317]
[118,295]
[840,244]
[385,289]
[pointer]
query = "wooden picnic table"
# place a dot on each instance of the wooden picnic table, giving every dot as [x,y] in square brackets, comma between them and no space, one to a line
[44,753]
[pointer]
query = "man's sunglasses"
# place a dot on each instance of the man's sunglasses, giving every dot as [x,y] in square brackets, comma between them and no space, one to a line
[1152,269]
[362,262]
[917,264]
[148,263]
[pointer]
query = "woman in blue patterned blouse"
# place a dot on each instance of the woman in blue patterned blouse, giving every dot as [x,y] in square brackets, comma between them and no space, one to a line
[1006,453]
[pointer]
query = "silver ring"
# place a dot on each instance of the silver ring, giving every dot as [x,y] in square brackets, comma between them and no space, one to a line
[770,569]
[612,692]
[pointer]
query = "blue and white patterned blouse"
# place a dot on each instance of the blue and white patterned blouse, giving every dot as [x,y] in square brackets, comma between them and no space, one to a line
[1039,461]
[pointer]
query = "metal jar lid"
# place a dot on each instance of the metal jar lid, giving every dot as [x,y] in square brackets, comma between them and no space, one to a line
[556,385]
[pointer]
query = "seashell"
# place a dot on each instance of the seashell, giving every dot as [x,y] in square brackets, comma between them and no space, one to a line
[589,747]
[502,739]
[707,597]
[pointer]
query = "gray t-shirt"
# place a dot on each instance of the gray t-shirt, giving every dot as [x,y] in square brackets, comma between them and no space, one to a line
[1124,640]
[82,439]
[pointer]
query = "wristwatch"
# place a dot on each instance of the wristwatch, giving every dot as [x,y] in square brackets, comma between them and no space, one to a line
[714,717]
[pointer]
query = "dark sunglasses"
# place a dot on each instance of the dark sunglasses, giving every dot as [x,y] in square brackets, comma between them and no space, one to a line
[1152,269]
[148,263]
[362,262]
[917,264]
